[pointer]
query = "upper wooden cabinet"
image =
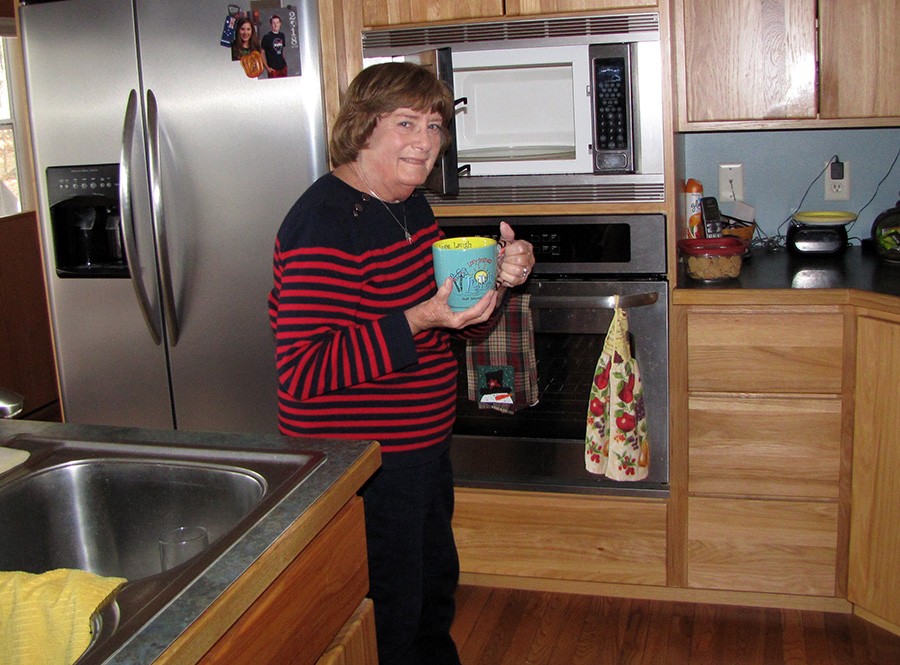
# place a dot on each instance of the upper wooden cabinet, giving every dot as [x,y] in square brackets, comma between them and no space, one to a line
[398,12]
[747,60]
[765,65]
[529,7]
[859,59]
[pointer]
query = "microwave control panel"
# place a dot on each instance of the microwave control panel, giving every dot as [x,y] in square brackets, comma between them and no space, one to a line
[612,108]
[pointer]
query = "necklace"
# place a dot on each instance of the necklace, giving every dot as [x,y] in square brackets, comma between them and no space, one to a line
[390,212]
[402,224]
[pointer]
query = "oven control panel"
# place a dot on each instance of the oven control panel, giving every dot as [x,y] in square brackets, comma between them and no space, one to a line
[581,244]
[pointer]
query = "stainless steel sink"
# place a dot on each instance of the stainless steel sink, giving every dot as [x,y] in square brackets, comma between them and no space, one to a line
[102,507]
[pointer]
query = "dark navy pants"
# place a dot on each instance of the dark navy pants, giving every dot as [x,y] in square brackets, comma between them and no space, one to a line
[413,565]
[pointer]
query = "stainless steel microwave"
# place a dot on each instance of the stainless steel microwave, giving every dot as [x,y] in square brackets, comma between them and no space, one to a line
[557,110]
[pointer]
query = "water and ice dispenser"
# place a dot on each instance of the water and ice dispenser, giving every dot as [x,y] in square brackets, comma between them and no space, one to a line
[85,219]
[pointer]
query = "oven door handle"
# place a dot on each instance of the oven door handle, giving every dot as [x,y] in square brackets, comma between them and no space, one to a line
[594,302]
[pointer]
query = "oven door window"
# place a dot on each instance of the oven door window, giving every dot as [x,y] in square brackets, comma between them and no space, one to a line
[565,370]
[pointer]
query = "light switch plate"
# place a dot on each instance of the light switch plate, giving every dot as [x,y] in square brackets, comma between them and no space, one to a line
[731,182]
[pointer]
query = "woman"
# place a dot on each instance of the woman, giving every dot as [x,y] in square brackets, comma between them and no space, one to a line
[362,342]
[245,39]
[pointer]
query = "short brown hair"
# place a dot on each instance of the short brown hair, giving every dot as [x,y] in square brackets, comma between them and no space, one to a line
[380,90]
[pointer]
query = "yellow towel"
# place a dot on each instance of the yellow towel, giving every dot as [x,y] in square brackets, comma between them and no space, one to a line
[45,619]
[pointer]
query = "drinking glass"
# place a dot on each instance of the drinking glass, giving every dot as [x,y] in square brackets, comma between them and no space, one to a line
[179,545]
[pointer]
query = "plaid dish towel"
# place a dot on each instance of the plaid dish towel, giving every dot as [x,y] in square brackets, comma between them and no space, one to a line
[501,368]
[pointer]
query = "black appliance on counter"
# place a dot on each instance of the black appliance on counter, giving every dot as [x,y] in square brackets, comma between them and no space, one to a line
[805,239]
[583,263]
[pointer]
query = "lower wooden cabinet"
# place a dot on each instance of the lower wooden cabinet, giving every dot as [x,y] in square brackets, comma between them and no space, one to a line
[766,448]
[561,537]
[874,575]
[760,545]
[295,619]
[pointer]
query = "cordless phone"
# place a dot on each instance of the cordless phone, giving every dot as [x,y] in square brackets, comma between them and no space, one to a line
[712,218]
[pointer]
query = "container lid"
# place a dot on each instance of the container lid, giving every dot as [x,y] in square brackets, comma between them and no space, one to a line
[726,246]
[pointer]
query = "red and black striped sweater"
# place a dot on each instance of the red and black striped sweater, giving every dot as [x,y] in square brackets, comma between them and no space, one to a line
[348,364]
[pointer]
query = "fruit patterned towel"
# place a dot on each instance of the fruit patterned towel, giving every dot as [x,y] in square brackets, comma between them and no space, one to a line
[506,358]
[616,443]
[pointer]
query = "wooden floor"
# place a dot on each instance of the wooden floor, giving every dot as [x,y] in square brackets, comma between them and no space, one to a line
[513,627]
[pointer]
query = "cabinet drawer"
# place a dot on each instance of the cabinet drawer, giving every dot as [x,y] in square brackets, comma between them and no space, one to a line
[584,538]
[765,352]
[764,446]
[764,546]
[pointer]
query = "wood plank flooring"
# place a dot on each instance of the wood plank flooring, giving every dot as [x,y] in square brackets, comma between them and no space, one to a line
[515,627]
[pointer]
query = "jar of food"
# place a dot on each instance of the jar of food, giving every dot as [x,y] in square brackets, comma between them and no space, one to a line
[712,259]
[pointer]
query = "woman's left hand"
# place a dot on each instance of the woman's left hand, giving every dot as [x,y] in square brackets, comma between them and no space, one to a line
[516,258]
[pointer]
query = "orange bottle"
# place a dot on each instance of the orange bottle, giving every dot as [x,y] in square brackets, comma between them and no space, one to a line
[693,192]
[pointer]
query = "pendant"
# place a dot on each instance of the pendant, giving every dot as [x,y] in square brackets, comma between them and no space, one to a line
[408,238]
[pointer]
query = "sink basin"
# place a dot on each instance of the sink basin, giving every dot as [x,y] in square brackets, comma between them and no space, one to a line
[102,507]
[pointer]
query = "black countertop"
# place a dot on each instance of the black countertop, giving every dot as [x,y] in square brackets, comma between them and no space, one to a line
[779,269]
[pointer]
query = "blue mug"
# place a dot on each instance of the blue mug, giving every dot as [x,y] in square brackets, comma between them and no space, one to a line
[471,263]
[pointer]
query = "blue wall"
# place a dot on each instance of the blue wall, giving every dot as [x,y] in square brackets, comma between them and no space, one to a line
[779,166]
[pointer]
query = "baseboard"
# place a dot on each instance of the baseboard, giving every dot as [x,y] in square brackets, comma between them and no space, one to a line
[877,620]
[675,594]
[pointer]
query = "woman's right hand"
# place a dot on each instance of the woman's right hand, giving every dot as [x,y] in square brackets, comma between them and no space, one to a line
[436,313]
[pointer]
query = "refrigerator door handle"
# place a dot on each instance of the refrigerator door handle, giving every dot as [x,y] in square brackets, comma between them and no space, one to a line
[127,219]
[156,197]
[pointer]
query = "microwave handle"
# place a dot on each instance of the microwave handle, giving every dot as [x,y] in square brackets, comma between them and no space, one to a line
[594,302]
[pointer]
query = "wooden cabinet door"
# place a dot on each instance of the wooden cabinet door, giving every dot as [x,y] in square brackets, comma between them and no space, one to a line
[874,575]
[561,537]
[767,546]
[860,58]
[529,7]
[759,445]
[748,60]
[295,618]
[398,12]
[765,350]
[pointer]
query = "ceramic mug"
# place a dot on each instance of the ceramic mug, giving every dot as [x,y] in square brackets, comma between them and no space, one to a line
[471,262]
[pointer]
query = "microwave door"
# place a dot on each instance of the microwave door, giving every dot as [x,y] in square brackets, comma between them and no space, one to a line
[444,177]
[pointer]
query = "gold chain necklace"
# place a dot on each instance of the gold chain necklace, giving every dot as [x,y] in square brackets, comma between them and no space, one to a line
[390,212]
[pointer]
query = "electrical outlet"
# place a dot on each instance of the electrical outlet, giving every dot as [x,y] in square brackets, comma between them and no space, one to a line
[731,182]
[837,190]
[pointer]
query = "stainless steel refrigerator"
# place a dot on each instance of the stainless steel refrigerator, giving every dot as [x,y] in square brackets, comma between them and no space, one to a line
[163,173]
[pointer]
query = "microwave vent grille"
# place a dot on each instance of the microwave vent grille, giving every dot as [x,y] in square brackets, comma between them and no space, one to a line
[507,31]
[562,193]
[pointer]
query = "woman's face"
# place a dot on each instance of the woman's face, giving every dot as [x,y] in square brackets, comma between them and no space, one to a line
[403,148]
[245,32]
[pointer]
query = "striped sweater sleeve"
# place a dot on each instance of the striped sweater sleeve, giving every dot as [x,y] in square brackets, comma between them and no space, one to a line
[330,331]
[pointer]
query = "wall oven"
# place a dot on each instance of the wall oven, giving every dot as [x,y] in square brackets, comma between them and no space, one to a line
[583,263]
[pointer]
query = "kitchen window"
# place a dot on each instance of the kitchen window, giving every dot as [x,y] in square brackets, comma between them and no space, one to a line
[15,191]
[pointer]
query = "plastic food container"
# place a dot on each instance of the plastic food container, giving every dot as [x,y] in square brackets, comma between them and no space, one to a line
[711,259]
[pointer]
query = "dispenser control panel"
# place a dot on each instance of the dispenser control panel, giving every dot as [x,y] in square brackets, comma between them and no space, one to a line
[66,182]
[84,216]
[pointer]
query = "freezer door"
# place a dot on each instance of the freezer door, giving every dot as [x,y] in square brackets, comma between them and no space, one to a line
[81,67]
[230,155]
